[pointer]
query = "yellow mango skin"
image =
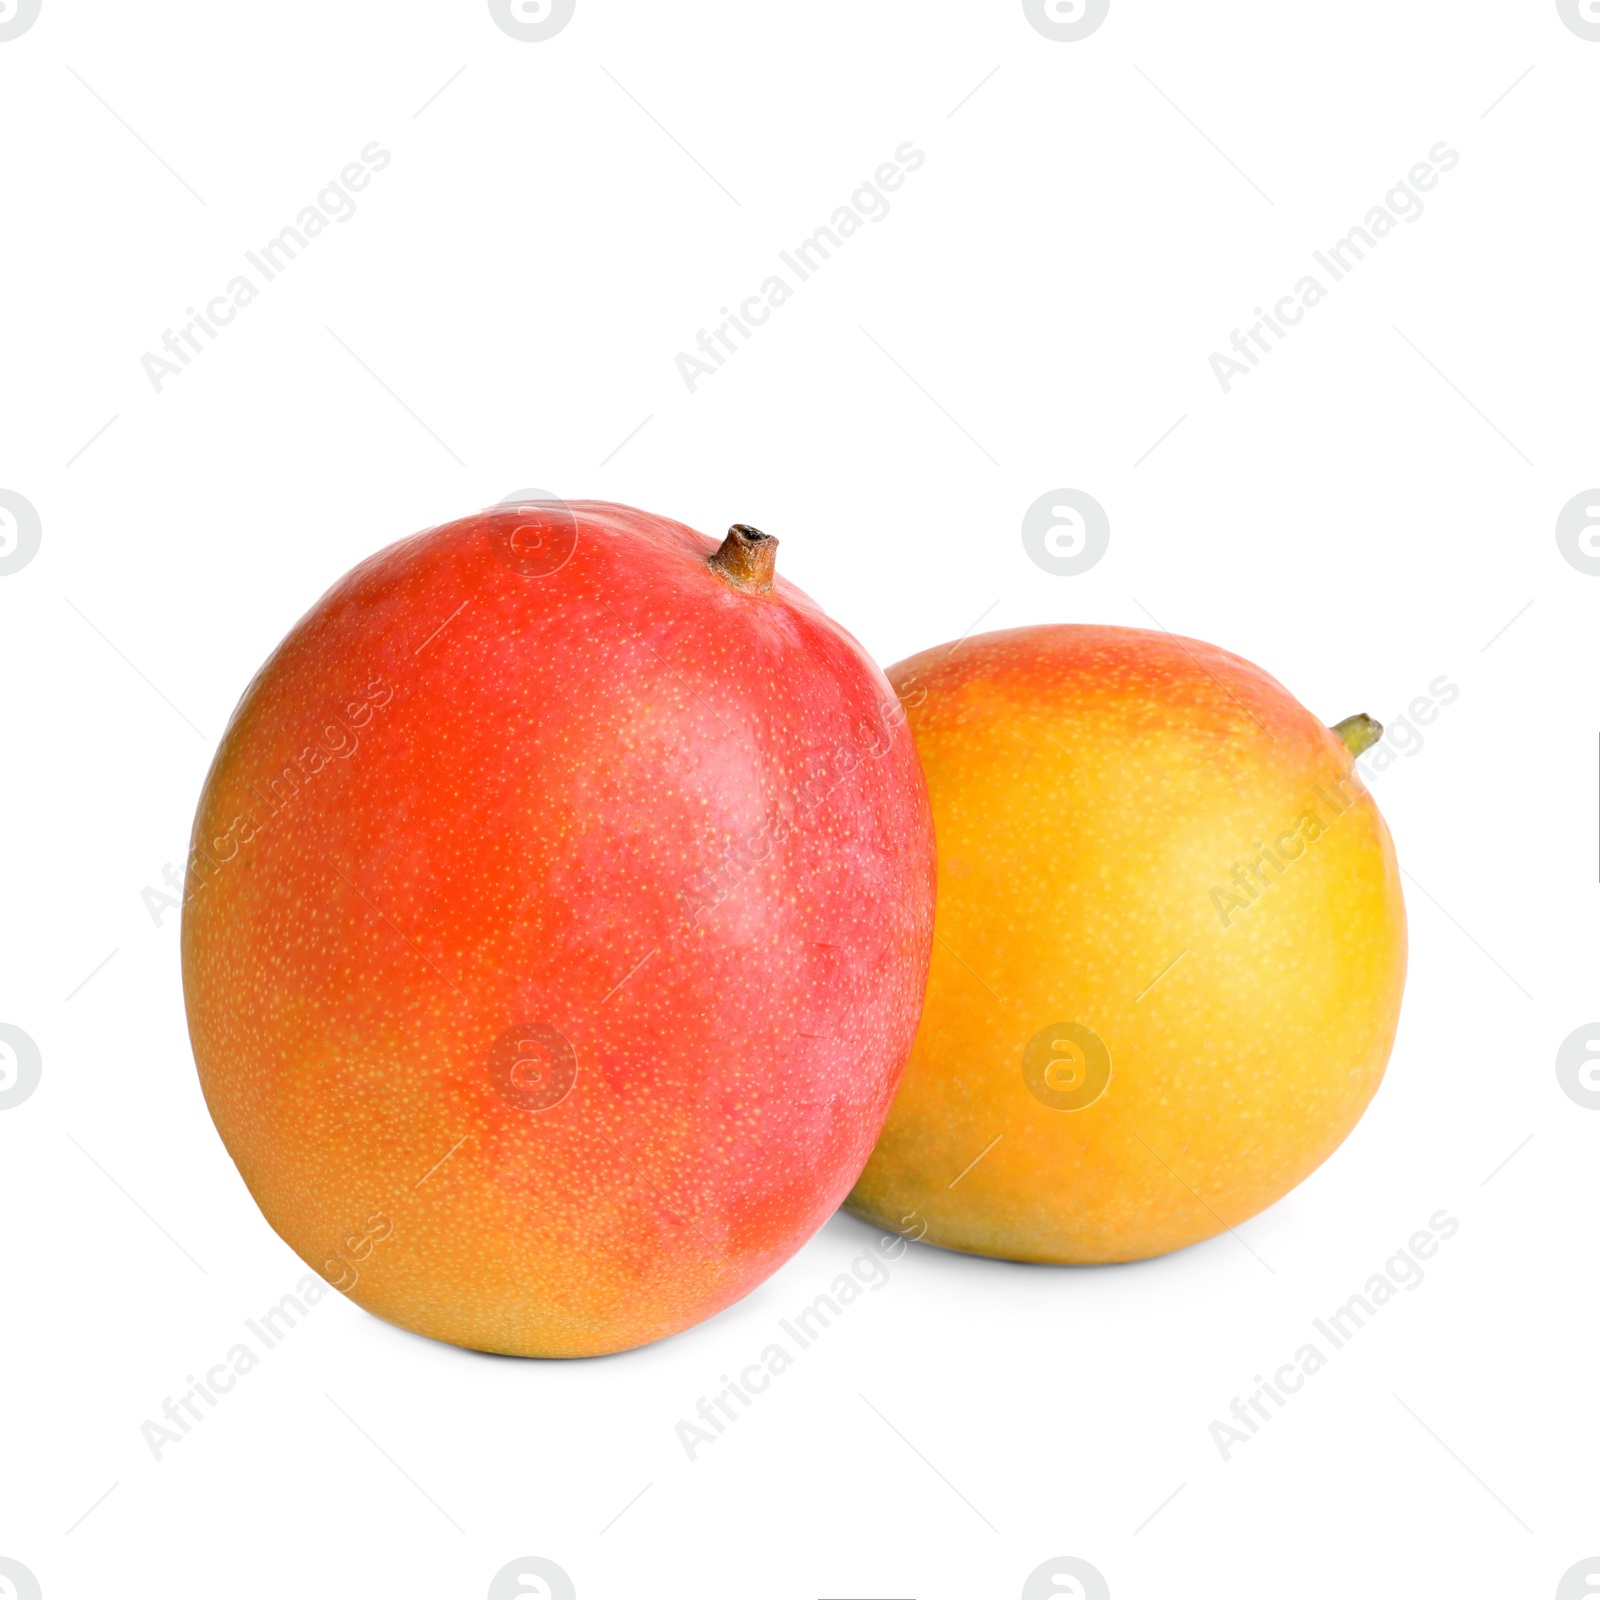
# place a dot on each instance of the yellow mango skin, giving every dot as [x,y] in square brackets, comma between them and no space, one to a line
[1094,791]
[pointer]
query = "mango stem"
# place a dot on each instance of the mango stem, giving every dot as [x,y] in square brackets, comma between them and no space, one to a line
[1359,732]
[746,558]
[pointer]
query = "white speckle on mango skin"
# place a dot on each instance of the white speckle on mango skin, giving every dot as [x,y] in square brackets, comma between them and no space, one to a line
[624,805]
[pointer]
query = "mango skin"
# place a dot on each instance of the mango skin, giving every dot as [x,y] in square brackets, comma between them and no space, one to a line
[1094,791]
[557,917]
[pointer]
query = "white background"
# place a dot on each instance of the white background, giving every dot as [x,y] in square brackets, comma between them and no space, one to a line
[1374,506]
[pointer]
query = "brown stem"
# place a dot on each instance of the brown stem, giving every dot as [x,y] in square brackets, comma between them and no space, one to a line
[1359,732]
[746,558]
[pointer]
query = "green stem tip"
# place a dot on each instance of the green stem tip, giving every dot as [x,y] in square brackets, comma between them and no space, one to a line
[1359,732]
